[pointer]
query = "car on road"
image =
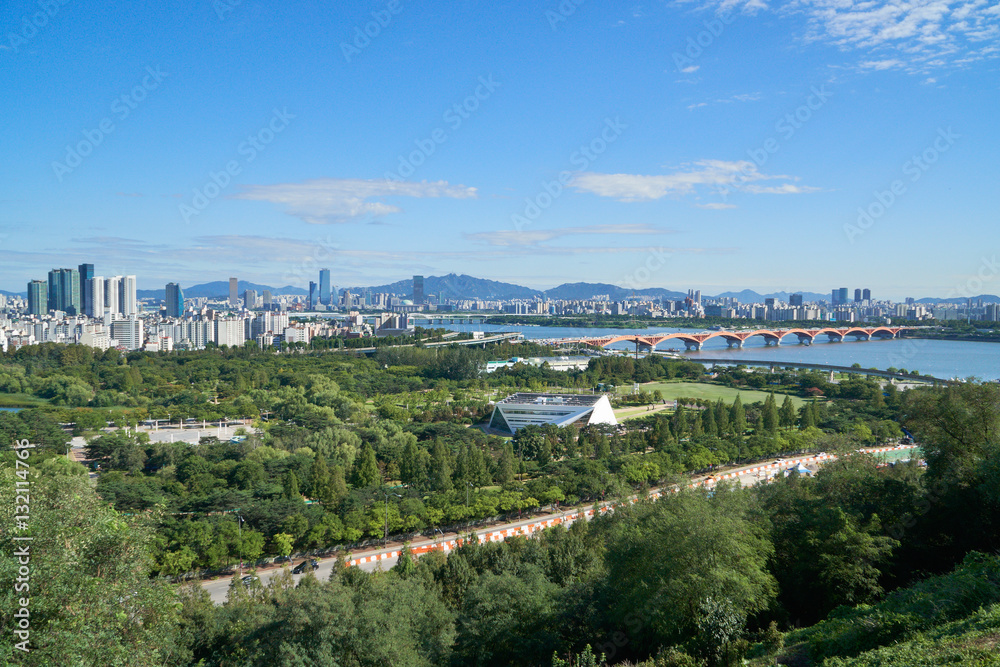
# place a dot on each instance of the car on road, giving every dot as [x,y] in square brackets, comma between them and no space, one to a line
[249,579]
[305,566]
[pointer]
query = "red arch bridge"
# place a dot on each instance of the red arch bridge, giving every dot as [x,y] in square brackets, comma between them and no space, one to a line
[694,341]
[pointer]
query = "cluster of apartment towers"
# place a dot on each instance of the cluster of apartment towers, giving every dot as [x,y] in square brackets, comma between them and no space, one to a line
[79,292]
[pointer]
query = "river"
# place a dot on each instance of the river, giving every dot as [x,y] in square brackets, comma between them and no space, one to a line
[939,358]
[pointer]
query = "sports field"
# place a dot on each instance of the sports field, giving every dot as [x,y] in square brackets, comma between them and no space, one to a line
[712,392]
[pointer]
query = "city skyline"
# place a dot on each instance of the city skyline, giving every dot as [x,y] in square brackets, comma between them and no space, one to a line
[725,146]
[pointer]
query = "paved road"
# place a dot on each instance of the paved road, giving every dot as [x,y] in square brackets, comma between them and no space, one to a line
[371,560]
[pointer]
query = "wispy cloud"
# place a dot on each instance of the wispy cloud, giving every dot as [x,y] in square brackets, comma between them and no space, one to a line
[330,200]
[735,176]
[510,237]
[742,97]
[914,35]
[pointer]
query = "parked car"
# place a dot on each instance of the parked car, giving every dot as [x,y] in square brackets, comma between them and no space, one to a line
[305,566]
[249,579]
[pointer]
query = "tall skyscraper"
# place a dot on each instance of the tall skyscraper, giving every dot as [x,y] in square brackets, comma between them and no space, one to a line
[839,296]
[324,287]
[312,295]
[250,299]
[267,299]
[418,289]
[111,293]
[794,299]
[64,291]
[857,295]
[93,296]
[86,273]
[38,297]
[127,303]
[866,294]
[234,299]
[175,300]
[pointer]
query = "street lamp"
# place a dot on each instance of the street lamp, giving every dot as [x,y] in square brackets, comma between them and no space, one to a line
[385,538]
[239,531]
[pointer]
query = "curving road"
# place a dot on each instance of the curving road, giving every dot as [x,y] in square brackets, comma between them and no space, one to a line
[372,560]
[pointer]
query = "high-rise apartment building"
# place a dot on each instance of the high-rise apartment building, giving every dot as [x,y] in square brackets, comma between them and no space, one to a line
[93,296]
[64,291]
[127,303]
[175,300]
[111,294]
[86,273]
[418,290]
[324,287]
[38,297]
[234,299]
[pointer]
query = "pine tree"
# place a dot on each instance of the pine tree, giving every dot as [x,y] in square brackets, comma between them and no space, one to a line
[771,417]
[708,421]
[721,418]
[787,413]
[679,424]
[738,417]
[507,465]
[320,476]
[366,473]
[807,416]
[291,486]
[337,487]
[440,466]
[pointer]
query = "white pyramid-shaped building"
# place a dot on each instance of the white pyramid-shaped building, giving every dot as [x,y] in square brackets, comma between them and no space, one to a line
[521,409]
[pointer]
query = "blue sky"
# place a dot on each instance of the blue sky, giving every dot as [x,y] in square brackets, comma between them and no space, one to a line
[711,145]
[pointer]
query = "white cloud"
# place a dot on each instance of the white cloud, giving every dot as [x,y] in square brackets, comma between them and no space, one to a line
[328,200]
[737,176]
[917,35]
[716,206]
[511,237]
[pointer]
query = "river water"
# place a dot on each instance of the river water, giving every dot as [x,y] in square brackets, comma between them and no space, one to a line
[940,358]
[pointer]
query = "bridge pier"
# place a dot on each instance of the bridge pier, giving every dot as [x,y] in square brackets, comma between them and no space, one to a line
[692,346]
[736,343]
[772,341]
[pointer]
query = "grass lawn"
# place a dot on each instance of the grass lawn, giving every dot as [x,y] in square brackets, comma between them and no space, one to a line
[712,392]
[21,401]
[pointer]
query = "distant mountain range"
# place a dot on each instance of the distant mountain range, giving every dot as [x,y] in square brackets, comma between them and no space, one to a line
[454,286]
[220,289]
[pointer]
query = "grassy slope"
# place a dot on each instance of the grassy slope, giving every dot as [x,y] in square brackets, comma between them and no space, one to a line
[950,619]
[713,392]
